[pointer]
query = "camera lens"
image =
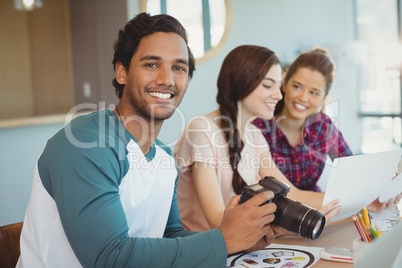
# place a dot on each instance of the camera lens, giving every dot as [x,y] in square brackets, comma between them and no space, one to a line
[317,228]
[298,218]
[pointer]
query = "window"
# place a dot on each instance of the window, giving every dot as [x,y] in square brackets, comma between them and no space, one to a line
[205,21]
[380,77]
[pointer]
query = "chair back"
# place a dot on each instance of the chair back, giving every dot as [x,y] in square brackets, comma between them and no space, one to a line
[10,244]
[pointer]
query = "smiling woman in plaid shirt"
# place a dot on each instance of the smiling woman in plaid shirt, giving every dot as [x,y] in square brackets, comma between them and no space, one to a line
[300,136]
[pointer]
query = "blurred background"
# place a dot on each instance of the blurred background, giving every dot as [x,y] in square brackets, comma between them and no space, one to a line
[56,63]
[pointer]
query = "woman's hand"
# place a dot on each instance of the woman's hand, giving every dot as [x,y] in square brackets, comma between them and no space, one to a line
[377,207]
[330,211]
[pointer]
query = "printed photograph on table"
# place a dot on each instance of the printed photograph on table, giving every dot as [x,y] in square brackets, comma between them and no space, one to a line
[276,256]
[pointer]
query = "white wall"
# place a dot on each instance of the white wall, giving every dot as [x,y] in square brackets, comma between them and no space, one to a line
[285,26]
[19,150]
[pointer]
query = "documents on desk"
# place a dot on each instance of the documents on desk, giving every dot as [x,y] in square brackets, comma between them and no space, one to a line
[360,179]
[386,220]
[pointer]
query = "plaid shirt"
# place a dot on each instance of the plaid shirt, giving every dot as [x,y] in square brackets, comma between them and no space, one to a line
[303,164]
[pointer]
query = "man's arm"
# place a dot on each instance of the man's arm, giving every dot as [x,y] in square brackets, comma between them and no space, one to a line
[243,227]
[85,187]
[87,198]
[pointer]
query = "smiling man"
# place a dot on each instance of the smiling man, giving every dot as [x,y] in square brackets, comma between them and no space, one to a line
[104,188]
[154,85]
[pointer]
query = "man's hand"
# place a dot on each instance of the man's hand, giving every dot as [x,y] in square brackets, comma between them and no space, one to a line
[377,207]
[246,224]
[267,239]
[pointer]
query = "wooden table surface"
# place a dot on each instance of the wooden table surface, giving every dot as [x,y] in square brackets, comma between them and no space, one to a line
[337,234]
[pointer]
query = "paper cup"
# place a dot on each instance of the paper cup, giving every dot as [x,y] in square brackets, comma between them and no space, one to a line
[359,247]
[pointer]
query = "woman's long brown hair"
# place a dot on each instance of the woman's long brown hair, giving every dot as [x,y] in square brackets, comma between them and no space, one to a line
[242,71]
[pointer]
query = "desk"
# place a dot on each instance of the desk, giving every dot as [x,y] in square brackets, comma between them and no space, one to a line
[337,234]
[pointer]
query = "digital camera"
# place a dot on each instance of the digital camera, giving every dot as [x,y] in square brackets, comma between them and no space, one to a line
[290,214]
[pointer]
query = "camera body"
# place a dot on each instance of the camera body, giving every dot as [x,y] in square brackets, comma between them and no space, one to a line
[290,214]
[268,183]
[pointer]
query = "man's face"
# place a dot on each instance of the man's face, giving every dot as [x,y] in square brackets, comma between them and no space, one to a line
[158,76]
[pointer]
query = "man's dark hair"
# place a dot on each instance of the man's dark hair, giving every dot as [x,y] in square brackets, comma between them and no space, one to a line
[140,26]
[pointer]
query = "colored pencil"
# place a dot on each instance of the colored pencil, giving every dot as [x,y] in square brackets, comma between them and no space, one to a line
[364,227]
[359,228]
[373,233]
[366,216]
[378,230]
